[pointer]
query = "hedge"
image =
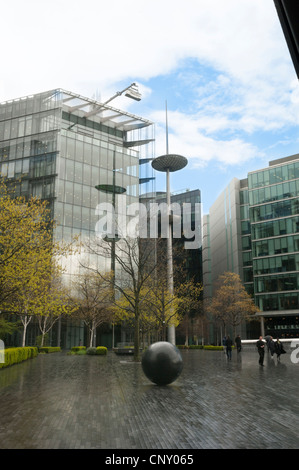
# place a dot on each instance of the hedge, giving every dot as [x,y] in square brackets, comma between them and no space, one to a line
[78,348]
[207,347]
[100,350]
[49,349]
[17,355]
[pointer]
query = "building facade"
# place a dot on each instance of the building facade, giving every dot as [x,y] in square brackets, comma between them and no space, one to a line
[76,153]
[253,228]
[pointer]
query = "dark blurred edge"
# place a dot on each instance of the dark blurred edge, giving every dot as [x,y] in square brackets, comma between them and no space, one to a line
[288,14]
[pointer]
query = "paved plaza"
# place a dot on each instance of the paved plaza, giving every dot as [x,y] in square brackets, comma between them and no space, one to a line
[58,401]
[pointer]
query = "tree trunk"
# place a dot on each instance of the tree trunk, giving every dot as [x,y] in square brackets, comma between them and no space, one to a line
[136,338]
[25,320]
[91,334]
[24,335]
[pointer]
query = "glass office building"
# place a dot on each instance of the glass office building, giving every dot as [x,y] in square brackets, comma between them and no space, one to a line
[266,239]
[274,217]
[76,153]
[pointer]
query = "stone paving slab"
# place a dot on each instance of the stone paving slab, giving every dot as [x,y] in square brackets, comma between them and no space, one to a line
[58,401]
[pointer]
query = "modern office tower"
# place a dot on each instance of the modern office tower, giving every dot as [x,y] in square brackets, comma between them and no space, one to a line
[76,153]
[188,243]
[254,232]
[274,218]
[225,228]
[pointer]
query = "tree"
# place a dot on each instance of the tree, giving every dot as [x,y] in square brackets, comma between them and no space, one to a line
[134,264]
[161,305]
[7,327]
[231,304]
[28,256]
[92,301]
[189,294]
[55,303]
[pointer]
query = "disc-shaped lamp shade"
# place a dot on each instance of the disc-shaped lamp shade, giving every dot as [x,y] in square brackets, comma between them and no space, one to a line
[110,188]
[169,162]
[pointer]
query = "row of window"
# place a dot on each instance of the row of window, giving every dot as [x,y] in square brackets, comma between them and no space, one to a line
[275,228]
[23,148]
[89,124]
[80,214]
[277,302]
[30,124]
[273,175]
[80,172]
[274,193]
[34,167]
[276,284]
[275,246]
[277,264]
[275,210]
[86,195]
[99,153]
[29,105]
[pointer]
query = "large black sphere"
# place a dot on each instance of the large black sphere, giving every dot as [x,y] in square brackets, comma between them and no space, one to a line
[162,363]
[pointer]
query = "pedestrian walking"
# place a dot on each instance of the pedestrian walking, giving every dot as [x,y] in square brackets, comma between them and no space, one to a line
[279,349]
[224,343]
[271,347]
[267,338]
[238,343]
[229,344]
[260,344]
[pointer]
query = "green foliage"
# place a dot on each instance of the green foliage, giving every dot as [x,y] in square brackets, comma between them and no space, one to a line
[40,338]
[91,351]
[17,355]
[78,348]
[208,347]
[7,327]
[101,350]
[49,349]
[81,350]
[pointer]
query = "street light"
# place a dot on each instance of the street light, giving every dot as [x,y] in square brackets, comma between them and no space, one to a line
[131,92]
[169,163]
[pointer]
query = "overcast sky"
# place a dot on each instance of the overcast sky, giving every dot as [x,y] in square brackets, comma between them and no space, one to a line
[223,67]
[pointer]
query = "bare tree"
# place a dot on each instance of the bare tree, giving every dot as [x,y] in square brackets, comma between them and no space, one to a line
[135,262]
[92,301]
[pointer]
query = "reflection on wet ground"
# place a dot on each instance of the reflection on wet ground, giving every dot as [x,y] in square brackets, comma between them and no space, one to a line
[58,401]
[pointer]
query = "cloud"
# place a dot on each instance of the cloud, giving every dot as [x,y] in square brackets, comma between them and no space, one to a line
[186,137]
[242,81]
[91,44]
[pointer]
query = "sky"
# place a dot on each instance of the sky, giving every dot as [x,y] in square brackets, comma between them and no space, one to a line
[222,67]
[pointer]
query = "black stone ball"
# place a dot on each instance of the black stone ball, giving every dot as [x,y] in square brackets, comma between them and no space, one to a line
[162,363]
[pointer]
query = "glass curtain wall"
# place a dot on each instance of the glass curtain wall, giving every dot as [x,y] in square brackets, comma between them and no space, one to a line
[29,144]
[60,146]
[274,211]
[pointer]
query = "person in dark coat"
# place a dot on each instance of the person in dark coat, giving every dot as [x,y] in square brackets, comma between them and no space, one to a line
[224,343]
[271,346]
[229,345]
[260,344]
[238,343]
[279,349]
[267,338]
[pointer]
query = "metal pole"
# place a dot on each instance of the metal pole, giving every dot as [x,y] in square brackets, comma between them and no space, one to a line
[171,328]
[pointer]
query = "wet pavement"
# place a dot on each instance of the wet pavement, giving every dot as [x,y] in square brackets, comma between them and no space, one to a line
[58,401]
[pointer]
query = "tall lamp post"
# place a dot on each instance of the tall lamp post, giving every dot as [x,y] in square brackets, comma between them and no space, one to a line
[131,92]
[169,163]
